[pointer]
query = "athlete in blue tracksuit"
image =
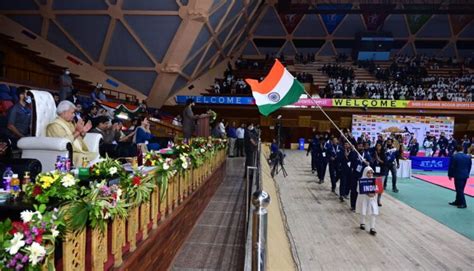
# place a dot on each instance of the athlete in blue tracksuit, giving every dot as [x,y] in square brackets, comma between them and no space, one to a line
[344,167]
[322,161]
[331,150]
[313,149]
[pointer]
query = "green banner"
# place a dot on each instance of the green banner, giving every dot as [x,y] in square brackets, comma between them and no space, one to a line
[416,21]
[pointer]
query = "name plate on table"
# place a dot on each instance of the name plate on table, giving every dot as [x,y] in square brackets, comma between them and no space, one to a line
[370,185]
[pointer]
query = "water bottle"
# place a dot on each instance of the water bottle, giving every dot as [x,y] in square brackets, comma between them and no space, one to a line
[7,177]
[15,186]
[63,164]
[58,164]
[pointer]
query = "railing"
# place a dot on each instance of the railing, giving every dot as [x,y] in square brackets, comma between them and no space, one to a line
[91,249]
[256,242]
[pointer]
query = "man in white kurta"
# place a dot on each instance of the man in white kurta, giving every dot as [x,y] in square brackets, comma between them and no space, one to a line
[63,127]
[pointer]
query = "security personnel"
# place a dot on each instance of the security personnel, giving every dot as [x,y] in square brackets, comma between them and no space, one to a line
[443,145]
[452,143]
[332,150]
[357,167]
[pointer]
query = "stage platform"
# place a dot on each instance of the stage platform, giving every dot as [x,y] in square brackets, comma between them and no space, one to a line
[325,234]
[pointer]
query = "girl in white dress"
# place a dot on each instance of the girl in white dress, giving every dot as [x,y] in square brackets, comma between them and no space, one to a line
[367,204]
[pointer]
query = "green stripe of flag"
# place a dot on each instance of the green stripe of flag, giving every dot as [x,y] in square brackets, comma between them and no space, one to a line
[291,97]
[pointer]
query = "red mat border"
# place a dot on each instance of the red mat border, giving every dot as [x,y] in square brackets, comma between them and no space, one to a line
[418,176]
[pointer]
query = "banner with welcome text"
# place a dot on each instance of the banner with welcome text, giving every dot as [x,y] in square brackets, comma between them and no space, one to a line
[340,103]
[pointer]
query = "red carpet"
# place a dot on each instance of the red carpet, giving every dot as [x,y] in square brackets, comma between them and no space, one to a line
[445,182]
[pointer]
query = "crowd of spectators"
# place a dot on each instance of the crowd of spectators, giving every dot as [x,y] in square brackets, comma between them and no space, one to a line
[338,71]
[305,77]
[458,89]
[300,58]
[230,84]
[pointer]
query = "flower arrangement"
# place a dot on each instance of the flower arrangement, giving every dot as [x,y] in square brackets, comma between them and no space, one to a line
[181,148]
[107,169]
[219,143]
[53,185]
[212,116]
[96,206]
[164,169]
[183,162]
[137,188]
[26,245]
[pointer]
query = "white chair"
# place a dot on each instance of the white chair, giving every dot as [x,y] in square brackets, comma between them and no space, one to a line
[46,149]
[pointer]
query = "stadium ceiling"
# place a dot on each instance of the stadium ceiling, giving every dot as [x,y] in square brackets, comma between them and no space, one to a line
[155,47]
[399,7]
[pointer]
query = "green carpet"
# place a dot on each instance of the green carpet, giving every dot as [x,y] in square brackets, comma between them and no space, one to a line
[432,200]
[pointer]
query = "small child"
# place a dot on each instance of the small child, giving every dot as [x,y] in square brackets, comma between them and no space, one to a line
[367,204]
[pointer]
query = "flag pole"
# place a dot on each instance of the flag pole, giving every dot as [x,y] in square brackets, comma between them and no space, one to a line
[337,128]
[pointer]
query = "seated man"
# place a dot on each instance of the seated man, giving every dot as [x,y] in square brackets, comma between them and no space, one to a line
[63,127]
[125,146]
[19,117]
[108,144]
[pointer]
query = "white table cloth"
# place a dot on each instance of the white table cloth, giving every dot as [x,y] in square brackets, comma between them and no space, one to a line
[404,171]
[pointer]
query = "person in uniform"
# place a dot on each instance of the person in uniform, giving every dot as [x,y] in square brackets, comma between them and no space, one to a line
[332,151]
[313,149]
[344,168]
[322,161]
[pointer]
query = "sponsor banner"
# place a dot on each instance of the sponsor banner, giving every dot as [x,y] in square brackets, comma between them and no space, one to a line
[440,105]
[372,125]
[430,163]
[311,102]
[232,100]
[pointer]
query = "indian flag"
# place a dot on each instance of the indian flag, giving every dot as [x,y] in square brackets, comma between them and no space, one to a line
[278,89]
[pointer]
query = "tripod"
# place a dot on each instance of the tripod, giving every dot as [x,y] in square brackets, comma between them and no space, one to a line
[278,165]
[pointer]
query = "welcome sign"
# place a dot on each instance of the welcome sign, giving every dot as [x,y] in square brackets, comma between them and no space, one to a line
[307,102]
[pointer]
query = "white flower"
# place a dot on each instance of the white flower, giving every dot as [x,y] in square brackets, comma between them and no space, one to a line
[37,252]
[26,216]
[202,150]
[113,170]
[107,215]
[38,215]
[119,193]
[68,180]
[166,166]
[16,243]
[185,164]
[55,233]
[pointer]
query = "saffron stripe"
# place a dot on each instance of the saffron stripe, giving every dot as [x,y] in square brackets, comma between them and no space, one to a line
[270,81]
[282,88]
